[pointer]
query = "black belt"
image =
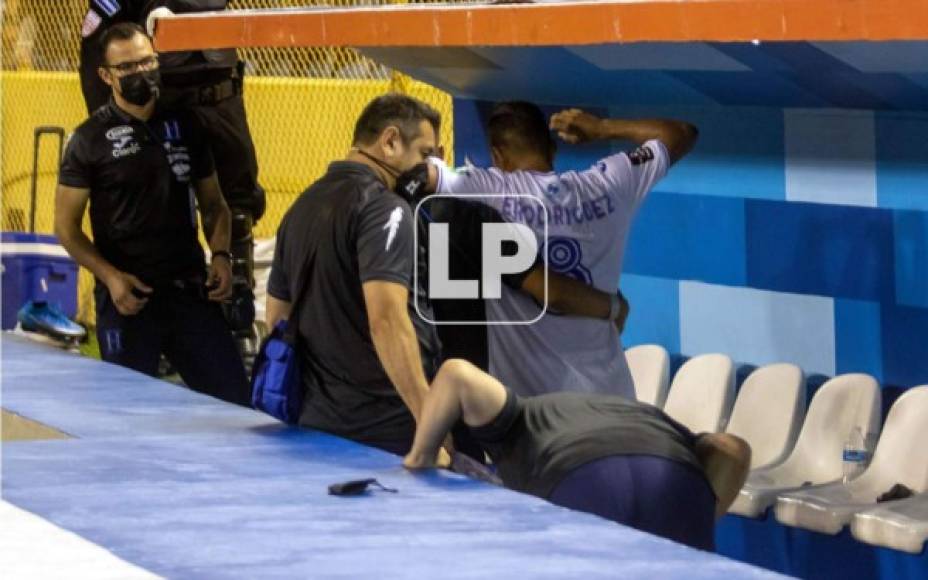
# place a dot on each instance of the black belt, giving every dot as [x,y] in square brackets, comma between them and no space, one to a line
[212,94]
[205,94]
[192,287]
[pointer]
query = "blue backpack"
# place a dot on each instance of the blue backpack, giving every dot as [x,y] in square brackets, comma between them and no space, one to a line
[277,382]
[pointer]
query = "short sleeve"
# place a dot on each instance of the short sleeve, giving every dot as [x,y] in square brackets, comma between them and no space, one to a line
[476,181]
[76,170]
[633,174]
[385,242]
[278,282]
[201,156]
[472,180]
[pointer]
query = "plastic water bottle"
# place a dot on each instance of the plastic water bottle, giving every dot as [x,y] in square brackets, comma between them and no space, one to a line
[855,455]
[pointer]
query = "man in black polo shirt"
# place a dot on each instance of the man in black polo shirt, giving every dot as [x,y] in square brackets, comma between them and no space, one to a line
[373,359]
[369,354]
[210,84]
[140,168]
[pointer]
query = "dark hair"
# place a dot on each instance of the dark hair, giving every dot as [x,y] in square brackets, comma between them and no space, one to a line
[520,126]
[394,109]
[121,31]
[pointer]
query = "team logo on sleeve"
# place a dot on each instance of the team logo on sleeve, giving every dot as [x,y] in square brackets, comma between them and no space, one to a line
[393,225]
[91,23]
[641,155]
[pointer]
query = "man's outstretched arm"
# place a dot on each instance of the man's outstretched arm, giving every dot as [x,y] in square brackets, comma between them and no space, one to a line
[576,126]
[574,298]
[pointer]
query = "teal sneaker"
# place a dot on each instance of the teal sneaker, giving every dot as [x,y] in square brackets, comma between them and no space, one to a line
[49,319]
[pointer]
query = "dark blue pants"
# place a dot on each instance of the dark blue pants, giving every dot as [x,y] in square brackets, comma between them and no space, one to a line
[652,494]
[188,329]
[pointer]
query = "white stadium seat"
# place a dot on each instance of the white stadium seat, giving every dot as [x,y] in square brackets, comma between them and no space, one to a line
[901,457]
[900,525]
[702,393]
[842,403]
[769,411]
[650,367]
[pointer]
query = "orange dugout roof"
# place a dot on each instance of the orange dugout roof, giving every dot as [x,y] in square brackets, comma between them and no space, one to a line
[559,24]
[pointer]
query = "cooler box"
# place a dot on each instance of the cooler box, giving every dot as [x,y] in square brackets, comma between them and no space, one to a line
[36,267]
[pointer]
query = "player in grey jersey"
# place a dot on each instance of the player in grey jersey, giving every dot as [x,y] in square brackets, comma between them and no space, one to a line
[589,214]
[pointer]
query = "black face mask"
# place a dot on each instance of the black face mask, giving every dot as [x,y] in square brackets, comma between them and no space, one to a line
[141,87]
[410,184]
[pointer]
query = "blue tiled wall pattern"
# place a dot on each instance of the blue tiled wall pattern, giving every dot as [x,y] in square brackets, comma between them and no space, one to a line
[788,234]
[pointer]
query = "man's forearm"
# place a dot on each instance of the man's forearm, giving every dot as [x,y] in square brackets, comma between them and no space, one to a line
[640,130]
[217,225]
[677,136]
[577,299]
[398,349]
[276,309]
[568,296]
[440,411]
[85,253]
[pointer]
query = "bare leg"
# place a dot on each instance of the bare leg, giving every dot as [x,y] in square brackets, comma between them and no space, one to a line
[726,460]
[459,391]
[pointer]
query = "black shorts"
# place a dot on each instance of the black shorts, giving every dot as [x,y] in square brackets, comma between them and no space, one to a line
[497,433]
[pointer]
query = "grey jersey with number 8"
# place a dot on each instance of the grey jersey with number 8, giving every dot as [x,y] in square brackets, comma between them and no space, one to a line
[589,214]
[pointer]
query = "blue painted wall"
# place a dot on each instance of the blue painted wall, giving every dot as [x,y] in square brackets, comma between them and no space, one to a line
[787,235]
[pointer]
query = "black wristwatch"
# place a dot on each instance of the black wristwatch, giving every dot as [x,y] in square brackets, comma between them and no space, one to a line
[224,254]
